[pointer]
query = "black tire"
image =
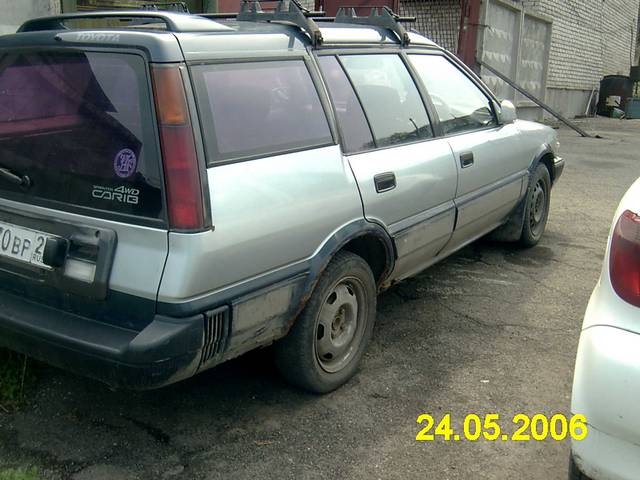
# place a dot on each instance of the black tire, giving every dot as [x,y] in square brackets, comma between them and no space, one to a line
[305,357]
[536,210]
[574,472]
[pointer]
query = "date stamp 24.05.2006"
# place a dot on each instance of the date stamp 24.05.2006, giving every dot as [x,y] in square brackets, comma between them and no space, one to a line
[489,427]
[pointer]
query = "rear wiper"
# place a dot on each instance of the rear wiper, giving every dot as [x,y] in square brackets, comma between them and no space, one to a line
[21,180]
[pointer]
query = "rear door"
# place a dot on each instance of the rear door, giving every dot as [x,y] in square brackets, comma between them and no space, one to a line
[82,216]
[407,178]
[491,160]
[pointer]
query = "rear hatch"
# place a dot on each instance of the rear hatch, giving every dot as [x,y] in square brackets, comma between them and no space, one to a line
[82,212]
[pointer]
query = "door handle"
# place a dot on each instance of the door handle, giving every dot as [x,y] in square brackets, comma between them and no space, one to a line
[385,182]
[466,159]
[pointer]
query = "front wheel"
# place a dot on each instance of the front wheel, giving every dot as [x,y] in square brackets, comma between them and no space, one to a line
[324,347]
[537,207]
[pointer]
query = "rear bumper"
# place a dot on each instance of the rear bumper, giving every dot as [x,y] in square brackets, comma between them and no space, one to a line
[166,351]
[605,457]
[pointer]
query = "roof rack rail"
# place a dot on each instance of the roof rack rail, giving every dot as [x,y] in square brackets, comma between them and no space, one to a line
[173,21]
[379,17]
[167,6]
[251,11]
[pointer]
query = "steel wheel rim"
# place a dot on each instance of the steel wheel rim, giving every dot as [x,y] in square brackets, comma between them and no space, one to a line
[340,324]
[538,207]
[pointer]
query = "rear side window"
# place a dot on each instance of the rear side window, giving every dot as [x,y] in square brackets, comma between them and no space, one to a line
[356,135]
[389,97]
[79,125]
[259,108]
[460,104]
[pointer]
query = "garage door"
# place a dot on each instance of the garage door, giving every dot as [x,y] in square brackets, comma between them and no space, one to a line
[516,43]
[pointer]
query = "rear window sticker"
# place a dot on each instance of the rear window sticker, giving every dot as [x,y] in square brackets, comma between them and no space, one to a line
[125,163]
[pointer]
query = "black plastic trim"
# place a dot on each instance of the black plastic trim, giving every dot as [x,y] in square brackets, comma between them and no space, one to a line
[558,168]
[382,17]
[166,351]
[546,150]
[216,299]
[384,182]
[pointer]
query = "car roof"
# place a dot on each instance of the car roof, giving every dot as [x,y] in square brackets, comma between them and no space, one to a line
[199,37]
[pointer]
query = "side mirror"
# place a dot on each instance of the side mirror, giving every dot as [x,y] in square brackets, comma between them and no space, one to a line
[507,112]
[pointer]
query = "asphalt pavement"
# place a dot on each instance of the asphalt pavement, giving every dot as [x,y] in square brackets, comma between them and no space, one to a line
[493,329]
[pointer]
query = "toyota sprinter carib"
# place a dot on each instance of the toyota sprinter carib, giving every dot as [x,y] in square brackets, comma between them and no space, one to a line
[177,190]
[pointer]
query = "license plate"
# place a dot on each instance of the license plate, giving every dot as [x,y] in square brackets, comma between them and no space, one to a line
[23,244]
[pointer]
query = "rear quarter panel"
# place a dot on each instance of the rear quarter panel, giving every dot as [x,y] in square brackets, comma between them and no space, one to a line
[268,214]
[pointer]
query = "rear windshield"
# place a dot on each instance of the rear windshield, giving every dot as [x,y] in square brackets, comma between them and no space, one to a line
[78,124]
[259,108]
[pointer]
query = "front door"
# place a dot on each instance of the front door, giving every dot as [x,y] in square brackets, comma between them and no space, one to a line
[491,161]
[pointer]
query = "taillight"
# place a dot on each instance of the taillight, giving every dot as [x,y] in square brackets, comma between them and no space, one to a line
[624,258]
[181,171]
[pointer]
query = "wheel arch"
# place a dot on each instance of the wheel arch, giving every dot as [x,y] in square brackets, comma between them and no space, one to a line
[546,157]
[367,239]
[511,230]
[373,250]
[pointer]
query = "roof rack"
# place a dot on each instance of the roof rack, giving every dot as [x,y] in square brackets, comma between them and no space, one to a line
[250,11]
[296,14]
[174,22]
[379,17]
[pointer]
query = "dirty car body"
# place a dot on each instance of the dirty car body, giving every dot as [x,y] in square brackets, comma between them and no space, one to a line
[186,187]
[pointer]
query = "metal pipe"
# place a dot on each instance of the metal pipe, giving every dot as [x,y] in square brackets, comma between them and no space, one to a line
[536,100]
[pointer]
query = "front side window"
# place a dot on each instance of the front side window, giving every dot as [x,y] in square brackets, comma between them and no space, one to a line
[259,108]
[460,104]
[389,97]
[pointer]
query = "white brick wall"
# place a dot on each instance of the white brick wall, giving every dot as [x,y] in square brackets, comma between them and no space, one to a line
[590,39]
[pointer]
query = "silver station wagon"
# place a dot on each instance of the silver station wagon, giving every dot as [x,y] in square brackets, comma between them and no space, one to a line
[177,190]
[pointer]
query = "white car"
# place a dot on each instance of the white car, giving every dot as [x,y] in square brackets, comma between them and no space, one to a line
[606,385]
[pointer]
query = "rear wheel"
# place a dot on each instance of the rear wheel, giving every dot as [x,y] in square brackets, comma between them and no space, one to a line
[324,347]
[537,207]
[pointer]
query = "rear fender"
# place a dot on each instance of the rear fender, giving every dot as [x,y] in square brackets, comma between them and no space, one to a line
[337,242]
